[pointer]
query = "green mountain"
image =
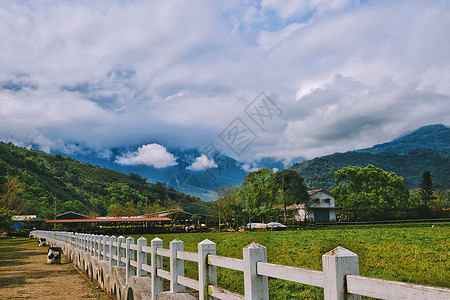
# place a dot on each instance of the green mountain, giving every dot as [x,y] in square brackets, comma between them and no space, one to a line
[435,137]
[426,149]
[82,187]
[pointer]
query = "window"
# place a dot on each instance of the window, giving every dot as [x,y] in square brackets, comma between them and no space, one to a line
[327,201]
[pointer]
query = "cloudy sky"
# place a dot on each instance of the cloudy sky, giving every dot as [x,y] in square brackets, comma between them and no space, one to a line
[150,76]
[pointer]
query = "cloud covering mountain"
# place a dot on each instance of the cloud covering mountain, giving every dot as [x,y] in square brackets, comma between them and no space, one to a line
[82,77]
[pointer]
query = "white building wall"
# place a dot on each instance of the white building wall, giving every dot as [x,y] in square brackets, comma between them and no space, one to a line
[318,200]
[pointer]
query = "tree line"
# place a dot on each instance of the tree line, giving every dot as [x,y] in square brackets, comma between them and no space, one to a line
[362,194]
[258,196]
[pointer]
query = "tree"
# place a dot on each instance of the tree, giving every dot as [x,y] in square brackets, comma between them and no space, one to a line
[288,187]
[255,190]
[426,188]
[129,209]
[228,206]
[10,196]
[6,223]
[369,193]
[10,202]
[115,210]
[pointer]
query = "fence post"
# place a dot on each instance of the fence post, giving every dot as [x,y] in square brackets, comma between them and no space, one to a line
[141,257]
[120,251]
[176,266]
[96,246]
[100,247]
[156,263]
[106,248]
[112,251]
[206,274]
[336,264]
[89,243]
[92,249]
[130,256]
[256,286]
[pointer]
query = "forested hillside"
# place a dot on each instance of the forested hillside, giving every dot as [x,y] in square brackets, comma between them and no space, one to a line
[319,172]
[435,137]
[38,180]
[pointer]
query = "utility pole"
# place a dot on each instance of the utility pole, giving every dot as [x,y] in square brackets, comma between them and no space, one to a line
[54,224]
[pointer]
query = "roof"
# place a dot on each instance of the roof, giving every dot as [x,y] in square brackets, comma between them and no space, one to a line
[321,190]
[103,220]
[23,217]
[71,215]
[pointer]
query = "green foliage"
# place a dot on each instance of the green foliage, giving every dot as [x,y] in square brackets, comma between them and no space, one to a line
[6,223]
[426,188]
[257,195]
[82,187]
[229,206]
[369,193]
[256,190]
[288,188]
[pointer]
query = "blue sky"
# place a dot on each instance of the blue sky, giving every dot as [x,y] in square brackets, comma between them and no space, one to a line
[149,76]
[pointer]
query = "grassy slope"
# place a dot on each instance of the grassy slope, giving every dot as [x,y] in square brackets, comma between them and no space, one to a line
[417,254]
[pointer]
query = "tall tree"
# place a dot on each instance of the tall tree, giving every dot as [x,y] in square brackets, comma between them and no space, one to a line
[288,187]
[255,190]
[426,188]
[10,195]
[228,206]
[369,193]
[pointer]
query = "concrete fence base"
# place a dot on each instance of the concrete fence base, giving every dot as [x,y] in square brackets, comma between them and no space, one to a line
[122,267]
[113,279]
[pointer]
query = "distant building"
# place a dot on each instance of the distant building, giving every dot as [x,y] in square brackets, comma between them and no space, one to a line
[23,217]
[27,222]
[321,207]
[70,215]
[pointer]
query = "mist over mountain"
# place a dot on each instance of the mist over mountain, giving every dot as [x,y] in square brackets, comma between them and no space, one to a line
[425,149]
[435,137]
[399,156]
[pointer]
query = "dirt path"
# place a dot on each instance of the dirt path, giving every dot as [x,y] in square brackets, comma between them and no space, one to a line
[24,274]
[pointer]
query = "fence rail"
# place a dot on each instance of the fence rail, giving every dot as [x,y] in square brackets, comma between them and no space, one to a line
[340,276]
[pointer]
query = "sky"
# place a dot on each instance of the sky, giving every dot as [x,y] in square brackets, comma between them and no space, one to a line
[253,79]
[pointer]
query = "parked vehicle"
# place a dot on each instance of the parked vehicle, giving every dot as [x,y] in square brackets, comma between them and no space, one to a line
[256,226]
[276,226]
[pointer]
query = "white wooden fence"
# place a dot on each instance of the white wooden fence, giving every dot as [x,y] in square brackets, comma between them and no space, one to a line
[340,277]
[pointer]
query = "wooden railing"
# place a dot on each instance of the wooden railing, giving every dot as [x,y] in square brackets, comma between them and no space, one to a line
[340,276]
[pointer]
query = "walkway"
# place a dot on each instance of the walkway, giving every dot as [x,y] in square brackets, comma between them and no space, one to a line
[24,274]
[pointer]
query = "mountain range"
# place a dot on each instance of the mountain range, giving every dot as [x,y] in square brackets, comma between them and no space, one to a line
[49,183]
[425,149]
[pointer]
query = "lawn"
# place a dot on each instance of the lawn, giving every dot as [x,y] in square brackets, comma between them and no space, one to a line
[10,248]
[411,254]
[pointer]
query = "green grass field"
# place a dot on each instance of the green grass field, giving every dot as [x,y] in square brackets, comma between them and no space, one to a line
[411,254]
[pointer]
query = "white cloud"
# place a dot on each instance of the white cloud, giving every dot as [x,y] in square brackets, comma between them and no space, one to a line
[292,8]
[248,168]
[151,155]
[202,163]
[94,76]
